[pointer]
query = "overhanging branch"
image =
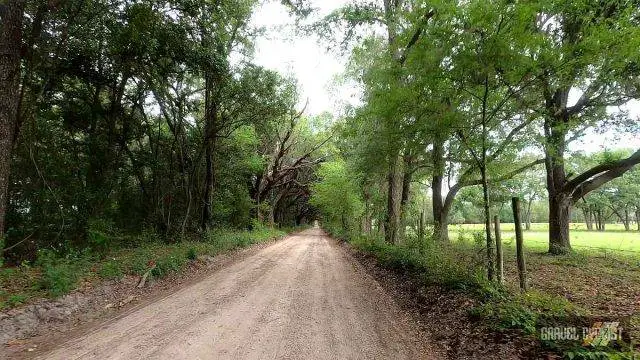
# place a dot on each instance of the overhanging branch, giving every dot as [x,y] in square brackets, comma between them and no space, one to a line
[599,175]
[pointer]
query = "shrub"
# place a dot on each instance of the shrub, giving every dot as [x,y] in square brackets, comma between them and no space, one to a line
[58,279]
[448,265]
[15,300]
[59,276]
[100,234]
[526,311]
[550,306]
[192,254]
[166,265]
[111,270]
[148,236]
[138,263]
[507,315]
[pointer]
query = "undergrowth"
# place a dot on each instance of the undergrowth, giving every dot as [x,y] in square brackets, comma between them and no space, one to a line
[54,274]
[460,266]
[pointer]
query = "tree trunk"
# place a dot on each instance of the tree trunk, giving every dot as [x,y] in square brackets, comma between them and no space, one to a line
[272,216]
[421,227]
[440,227]
[638,218]
[183,228]
[559,201]
[440,218]
[600,220]
[10,55]
[210,137]
[499,255]
[587,218]
[393,200]
[487,225]
[208,188]
[559,219]
[404,198]
[527,224]
[366,227]
[522,271]
[626,220]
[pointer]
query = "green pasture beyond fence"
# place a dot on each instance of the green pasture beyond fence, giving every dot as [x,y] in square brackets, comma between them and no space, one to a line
[615,238]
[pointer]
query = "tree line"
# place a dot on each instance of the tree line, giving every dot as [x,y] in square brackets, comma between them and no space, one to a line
[123,117]
[482,94]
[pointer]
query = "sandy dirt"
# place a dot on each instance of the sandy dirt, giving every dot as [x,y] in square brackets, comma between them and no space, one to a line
[300,298]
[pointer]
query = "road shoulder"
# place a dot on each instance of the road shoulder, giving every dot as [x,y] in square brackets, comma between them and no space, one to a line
[40,327]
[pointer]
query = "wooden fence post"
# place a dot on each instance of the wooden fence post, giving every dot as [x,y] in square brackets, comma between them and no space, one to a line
[522,274]
[499,256]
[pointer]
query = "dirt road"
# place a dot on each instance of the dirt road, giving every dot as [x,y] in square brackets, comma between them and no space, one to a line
[301,298]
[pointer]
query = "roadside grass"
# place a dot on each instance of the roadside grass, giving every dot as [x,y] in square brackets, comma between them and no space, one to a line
[52,275]
[577,289]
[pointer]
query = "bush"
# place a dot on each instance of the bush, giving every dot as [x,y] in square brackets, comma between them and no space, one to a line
[147,236]
[166,265]
[441,264]
[59,276]
[15,300]
[223,240]
[8,301]
[461,266]
[507,315]
[58,279]
[192,254]
[100,235]
[526,311]
[111,270]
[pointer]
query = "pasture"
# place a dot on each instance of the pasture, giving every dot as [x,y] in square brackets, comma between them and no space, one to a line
[614,238]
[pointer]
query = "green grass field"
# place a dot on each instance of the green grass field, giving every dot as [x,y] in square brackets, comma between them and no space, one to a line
[614,238]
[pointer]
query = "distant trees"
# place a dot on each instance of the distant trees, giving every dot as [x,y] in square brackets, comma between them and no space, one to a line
[337,196]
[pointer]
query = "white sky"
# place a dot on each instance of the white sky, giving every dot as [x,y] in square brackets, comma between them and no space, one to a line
[301,56]
[304,58]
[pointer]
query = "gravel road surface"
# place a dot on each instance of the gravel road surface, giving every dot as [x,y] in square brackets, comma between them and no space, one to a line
[300,298]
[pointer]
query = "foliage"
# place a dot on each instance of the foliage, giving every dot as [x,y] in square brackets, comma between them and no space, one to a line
[463,93]
[436,264]
[15,300]
[54,275]
[111,269]
[192,254]
[139,120]
[336,195]
[529,311]
[58,278]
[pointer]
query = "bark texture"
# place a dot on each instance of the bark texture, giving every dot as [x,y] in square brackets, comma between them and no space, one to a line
[10,56]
